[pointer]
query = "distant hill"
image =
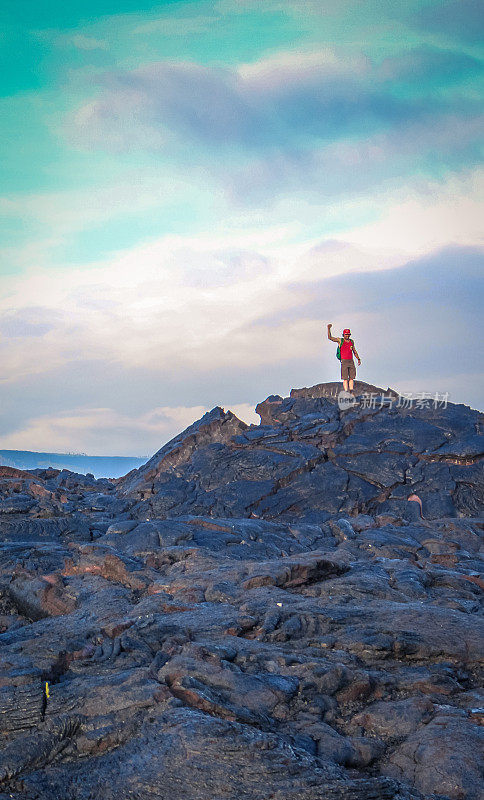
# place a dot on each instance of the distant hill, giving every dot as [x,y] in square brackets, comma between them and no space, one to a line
[99,466]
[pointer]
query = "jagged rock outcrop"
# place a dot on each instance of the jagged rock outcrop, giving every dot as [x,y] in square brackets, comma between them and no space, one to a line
[215,427]
[310,460]
[268,409]
[290,610]
[43,493]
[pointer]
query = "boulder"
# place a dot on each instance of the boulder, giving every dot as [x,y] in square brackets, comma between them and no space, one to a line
[443,757]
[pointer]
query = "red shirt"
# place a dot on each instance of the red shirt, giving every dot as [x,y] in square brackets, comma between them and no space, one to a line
[346,349]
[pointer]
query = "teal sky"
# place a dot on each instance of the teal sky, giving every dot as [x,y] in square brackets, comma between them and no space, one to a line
[173,173]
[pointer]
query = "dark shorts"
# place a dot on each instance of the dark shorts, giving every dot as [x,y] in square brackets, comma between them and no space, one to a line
[348,369]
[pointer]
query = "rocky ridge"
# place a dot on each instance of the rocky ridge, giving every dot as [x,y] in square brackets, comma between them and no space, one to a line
[276,611]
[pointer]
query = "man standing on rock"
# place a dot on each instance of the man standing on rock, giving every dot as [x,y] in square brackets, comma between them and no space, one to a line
[346,349]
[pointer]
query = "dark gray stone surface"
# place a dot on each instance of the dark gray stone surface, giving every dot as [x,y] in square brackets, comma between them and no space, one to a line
[257,612]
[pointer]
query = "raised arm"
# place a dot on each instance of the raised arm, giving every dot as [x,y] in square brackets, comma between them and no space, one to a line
[332,338]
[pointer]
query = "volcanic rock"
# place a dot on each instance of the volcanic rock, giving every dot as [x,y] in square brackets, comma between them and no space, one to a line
[259,611]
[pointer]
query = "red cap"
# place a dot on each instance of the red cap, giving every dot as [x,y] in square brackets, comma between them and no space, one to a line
[346,330]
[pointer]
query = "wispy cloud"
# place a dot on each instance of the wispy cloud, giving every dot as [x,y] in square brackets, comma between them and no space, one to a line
[176,26]
[147,309]
[312,121]
[76,40]
[33,321]
[282,101]
[455,19]
[101,431]
[98,430]
[411,324]
[74,209]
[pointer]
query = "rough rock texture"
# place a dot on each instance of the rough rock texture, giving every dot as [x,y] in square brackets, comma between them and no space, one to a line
[309,461]
[257,612]
[333,388]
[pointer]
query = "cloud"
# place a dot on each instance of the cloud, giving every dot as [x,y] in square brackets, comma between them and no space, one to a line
[245,412]
[352,168]
[132,333]
[274,177]
[428,220]
[456,19]
[194,304]
[286,69]
[69,40]
[282,101]
[74,209]
[425,65]
[413,325]
[297,7]
[33,321]
[454,272]
[313,122]
[146,308]
[460,20]
[151,106]
[176,26]
[82,42]
[101,431]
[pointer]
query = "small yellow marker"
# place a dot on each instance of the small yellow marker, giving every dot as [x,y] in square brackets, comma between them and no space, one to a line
[47,692]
